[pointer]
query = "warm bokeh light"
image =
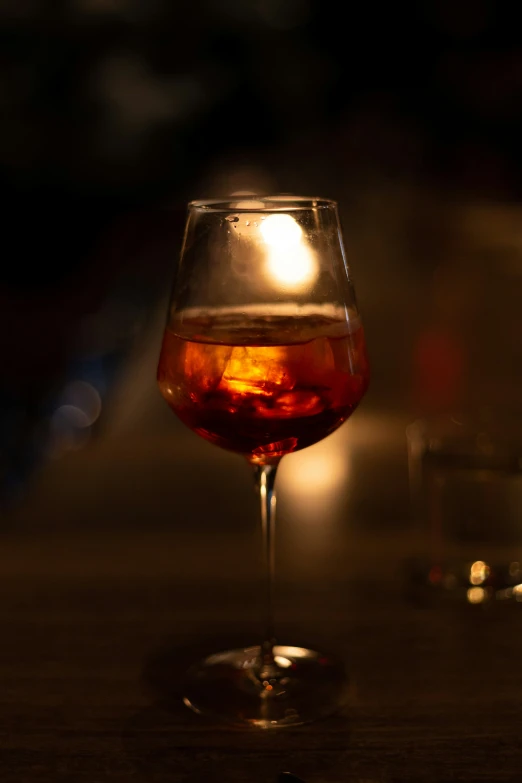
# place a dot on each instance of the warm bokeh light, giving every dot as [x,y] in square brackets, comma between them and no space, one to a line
[517,592]
[314,480]
[478,572]
[281,232]
[318,470]
[476,595]
[289,260]
[296,652]
[285,663]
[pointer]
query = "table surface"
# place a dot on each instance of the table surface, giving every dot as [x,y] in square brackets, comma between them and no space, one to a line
[128,559]
[133,557]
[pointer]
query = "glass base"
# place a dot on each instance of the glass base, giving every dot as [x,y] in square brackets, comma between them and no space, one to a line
[233,686]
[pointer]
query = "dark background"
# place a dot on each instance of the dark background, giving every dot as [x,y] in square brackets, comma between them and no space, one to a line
[116,112]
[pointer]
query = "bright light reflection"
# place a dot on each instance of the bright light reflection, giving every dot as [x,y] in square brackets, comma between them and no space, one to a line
[283,662]
[298,652]
[281,231]
[290,261]
[250,204]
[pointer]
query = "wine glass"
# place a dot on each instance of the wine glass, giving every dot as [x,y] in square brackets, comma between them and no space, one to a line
[263,354]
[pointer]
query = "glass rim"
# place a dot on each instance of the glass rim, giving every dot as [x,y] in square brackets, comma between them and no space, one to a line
[254,203]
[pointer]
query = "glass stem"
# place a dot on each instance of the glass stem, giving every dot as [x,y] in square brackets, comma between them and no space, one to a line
[264,476]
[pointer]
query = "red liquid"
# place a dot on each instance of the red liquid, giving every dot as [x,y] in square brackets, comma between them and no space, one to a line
[266,387]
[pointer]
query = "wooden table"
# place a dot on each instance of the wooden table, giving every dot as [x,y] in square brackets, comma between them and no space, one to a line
[134,556]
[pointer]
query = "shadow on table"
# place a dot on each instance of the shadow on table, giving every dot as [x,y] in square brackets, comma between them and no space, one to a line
[164,669]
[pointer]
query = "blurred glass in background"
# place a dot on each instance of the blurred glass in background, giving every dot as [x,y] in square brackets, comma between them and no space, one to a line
[465,452]
[466,484]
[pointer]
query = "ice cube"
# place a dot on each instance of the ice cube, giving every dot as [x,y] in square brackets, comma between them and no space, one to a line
[257,370]
[205,364]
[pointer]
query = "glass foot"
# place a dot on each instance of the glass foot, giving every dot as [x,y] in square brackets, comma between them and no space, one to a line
[301,687]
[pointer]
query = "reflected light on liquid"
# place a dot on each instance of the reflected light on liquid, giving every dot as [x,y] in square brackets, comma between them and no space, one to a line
[478,572]
[289,260]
